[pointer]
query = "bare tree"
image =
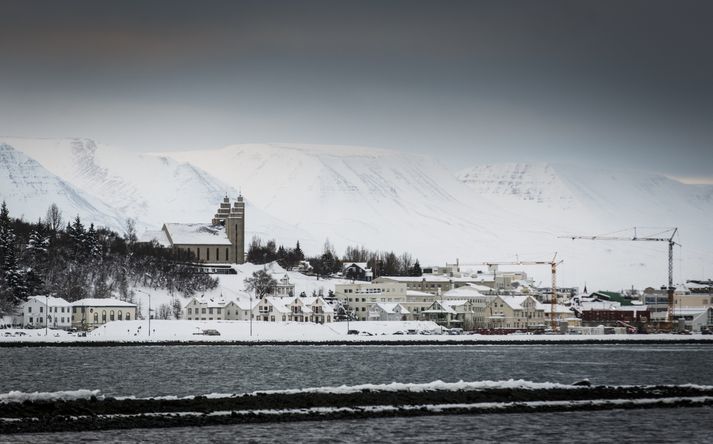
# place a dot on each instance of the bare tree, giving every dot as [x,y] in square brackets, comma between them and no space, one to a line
[176,308]
[130,228]
[164,311]
[54,218]
[261,282]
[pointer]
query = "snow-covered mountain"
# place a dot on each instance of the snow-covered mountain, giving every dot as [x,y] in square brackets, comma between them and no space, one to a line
[585,200]
[29,189]
[380,199]
[361,196]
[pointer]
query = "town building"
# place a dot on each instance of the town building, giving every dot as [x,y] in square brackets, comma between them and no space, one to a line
[450,314]
[220,242]
[359,296]
[46,311]
[91,313]
[357,271]
[284,287]
[515,313]
[387,311]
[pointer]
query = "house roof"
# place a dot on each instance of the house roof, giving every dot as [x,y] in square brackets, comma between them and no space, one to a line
[465,291]
[390,307]
[515,302]
[196,234]
[105,302]
[155,235]
[50,301]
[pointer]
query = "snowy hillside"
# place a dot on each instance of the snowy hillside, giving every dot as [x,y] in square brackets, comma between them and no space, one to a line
[29,189]
[585,200]
[381,199]
[360,196]
[151,189]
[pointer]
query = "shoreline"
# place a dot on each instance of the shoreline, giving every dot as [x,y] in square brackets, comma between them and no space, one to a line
[375,342]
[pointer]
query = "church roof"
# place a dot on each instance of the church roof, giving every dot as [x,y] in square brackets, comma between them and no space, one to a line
[196,234]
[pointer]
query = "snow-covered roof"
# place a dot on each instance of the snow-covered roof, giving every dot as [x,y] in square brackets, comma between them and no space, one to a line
[283,304]
[155,235]
[465,291]
[390,307]
[559,308]
[105,302]
[515,302]
[50,301]
[197,234]
[416,293]
[362,265]
[211,302]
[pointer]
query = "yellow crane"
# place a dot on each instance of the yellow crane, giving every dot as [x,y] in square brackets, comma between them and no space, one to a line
[652,238]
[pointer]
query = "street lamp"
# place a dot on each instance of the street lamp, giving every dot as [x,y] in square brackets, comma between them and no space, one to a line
[47,314]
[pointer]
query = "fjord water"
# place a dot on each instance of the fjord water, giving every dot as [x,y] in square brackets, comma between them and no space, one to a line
[196,370]
[683,425]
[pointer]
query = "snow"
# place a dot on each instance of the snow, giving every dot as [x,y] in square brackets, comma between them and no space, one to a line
[106,302]
[353,196]
[197,234]
[67,395]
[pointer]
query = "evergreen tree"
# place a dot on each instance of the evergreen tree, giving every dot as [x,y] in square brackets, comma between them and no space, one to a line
[416,269]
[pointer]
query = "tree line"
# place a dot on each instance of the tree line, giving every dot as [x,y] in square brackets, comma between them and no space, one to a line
[382,263]
[74,261]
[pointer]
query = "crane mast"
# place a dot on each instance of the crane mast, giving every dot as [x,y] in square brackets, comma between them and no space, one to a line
[637,238]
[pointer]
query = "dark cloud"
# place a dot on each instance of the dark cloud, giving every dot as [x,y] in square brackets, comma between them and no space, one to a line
[623,82]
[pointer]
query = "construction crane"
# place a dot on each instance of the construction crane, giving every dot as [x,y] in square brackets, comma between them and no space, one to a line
[553,268]
[670,242]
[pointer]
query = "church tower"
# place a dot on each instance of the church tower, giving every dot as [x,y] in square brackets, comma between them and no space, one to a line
[235,228]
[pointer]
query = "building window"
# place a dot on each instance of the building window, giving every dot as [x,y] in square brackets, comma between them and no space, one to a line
[202,310]
[219,310]
[207,254]
[198,253]
[103,316]
[119,316]
[96,318]
[29,309]
[111,315]
[210,310]
[217,254]
[128,316]
[41,309]
[226,255]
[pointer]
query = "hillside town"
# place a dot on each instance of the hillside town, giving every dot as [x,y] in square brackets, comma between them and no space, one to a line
[458,298]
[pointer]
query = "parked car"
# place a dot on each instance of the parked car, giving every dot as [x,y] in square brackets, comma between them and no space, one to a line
[353,332]
[211,332]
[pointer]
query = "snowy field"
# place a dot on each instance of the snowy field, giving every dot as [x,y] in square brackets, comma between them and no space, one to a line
[298,332]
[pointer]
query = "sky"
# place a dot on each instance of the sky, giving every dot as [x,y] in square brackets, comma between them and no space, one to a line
[622,83]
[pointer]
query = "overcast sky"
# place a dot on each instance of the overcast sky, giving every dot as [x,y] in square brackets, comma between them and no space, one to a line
[610,83]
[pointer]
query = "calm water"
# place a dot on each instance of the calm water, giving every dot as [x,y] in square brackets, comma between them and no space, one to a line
[690,425]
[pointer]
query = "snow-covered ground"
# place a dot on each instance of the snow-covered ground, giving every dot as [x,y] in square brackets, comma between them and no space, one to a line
[297,332]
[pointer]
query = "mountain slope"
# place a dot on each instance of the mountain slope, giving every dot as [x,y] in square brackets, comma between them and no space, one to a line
[360,196]
[29,189]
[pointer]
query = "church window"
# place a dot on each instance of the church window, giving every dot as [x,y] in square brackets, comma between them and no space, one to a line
[207,254]
[217,254]
[198,253]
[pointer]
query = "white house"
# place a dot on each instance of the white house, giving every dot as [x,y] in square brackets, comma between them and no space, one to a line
[387,311]
[310,309]
[284,287]
[41,311]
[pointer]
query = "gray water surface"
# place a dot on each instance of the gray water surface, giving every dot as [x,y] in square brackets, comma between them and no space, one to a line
[193,370]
